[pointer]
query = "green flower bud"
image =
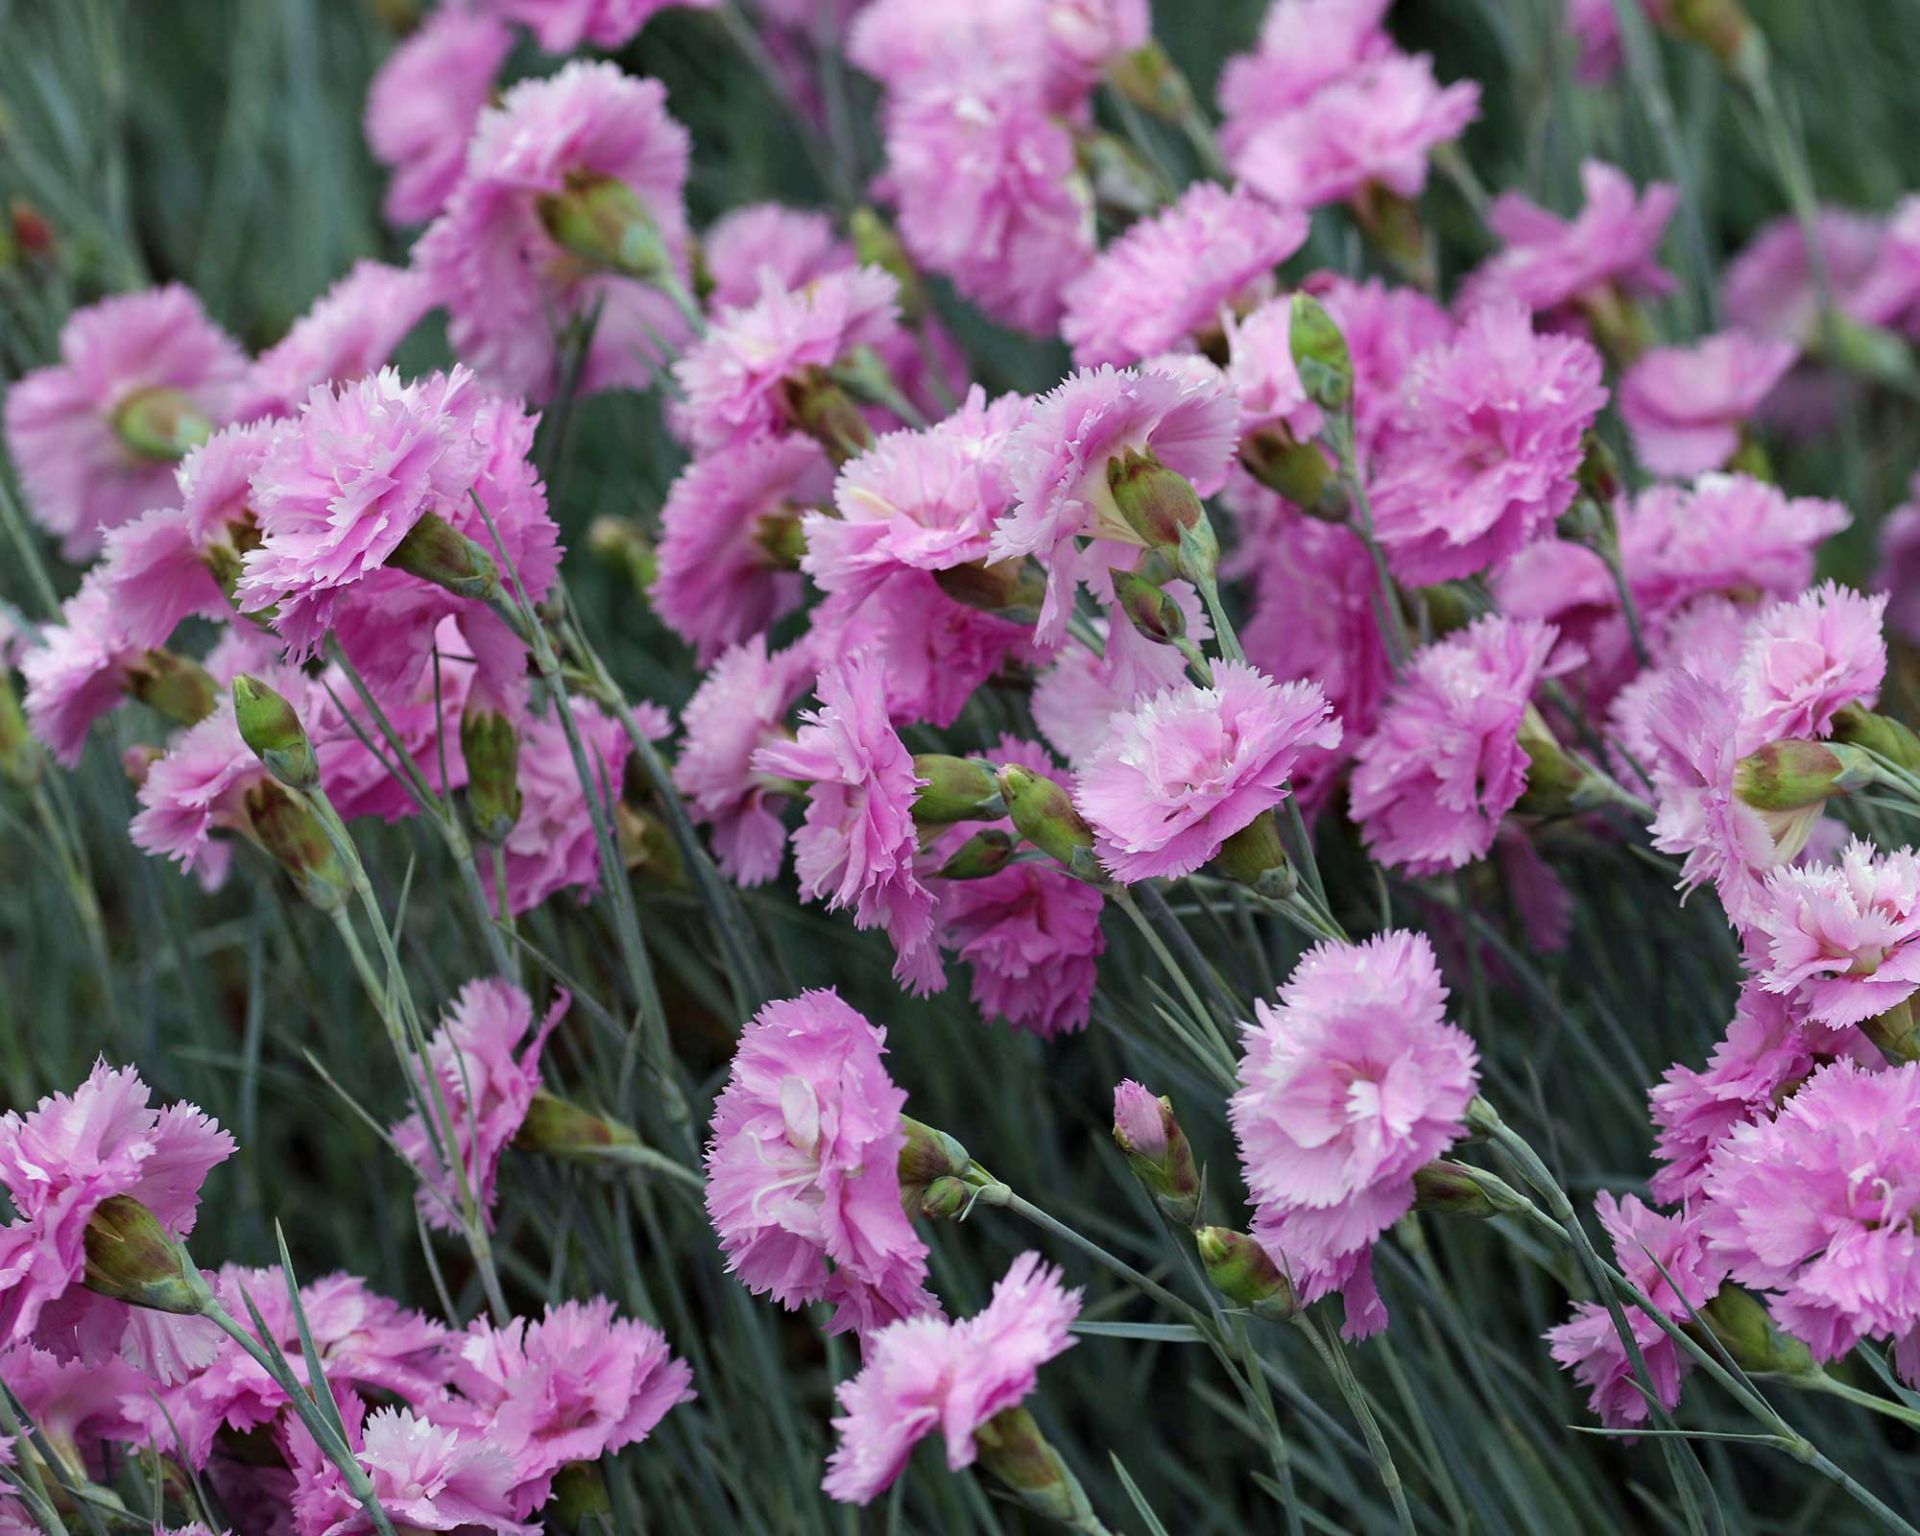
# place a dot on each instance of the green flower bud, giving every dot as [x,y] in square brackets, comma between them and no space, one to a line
[945,1199]
[1012,589]
[1043,814]
[1242,1271]
[1154,502]
[1741,1323]
[646,846]
[436,551]
[622,543]
[1255,857]
[273,733]
[1298,471]
[876,245]
[131,1258]
[1156,1149]
[954,789]
[602,220]
[987,852]
[1599,473]
[1554,780]
[581,1501]
[1012,1448]
[1897,1031]
[160,423]
[822,409]
[1152,82]
[1881,734]
[1148,608]
[284,826]
[554,1127]
[1793,775]
[929,1154]
[1320,355]
[491,747]
[781,540]
[175,686]
[1460,1189]
[1121,180]
[1722,27]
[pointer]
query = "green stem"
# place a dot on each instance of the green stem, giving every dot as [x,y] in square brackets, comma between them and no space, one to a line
[1224,1064]
[1334,1358]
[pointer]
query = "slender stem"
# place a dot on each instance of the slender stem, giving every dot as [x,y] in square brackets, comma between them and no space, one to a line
[1276,1441]
[34,1485]
[997,1194]
[1346,454]
[1820,1381]
[1224,1063]
[1334,1358]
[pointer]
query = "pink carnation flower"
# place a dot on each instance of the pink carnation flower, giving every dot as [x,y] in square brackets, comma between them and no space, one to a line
[1386,329]
[79,1406]
[79,477]
[1808,659]
[1075,698]
[80,670]
[1167,282]
[573,1387]
[740,706]
[1305,45]
[1684,405]
[424,102]
[797,245]
[1668,1258]
[857,845]
[553,846]
[351,330]
[1552,265]
[1446,762]
[1889,294]
[563,25]
[1841,938]
[1769,286]
[1491,442]
[989,193]
[1060,460]
[486,1090]
[1348,1085]
[1899,573]
[1816,1206]
[1260,372]
[1031,933]
[427,1476]
[803,1183]
[738,377]
[1055,50]
[507,285]
[59,1163]
[927,1373]
[1182,772]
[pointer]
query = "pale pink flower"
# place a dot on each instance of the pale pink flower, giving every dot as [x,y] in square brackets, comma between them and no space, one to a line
[508,287]
[856,847]
[1265,384]
[1030,933]
[1553,265]
[1060,461]
[424,102]
[79,1406]
[1182,772]
[563,25]
[80,670]
[1685,405]
[1889,294]
[199,787]
[738,377]
[59,1162]
[797,245]
[1816,1207]
[427,1476]
[926,1374]
[1350,1083]
[553,846]
[1595,28]
[1169,280]
[1305,45]
[740,706]
[1841,939]
[1055,49]
[1075,697]
[351,330]
[79,477]
[1446,762]
[1769,286]
[803,1183]
[716,583]
[1808,659]
[1489,448]
[1899,573]
[1668,1258]
[575,1386]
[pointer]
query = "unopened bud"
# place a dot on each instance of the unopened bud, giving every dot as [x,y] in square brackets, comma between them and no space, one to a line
[1896,1032]
[1599,473]
[1156,1149]
[1120,178]
[31,232]
[1554,779]
[946,1199]
[1392,225]
[623,544]
[876,245]
[602,220]
[1868,350]
[1043,814]
[1722,27]
[928,1154]
[490,745]
[160,423]
[273,733]
[954,789]
[436,551]
[646,846]
[1152,82]
[1012,1448]
[1741,1323]
[1155,503]
[1298,471]
[174,686]
[1460,1189]
[19,757]
[1011,589]
[131,1258]
[987,852]
[1148,607]
[1793,775]
[781,540]
[1243,1272]
[1255,857]
[1879,734]
[581,1501]
[1450,607]
[822,409]
[554,1127]
[1320,355]
[290,832]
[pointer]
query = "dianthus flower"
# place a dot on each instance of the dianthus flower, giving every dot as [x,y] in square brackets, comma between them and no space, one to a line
[1490,445]
[1447,762]
[351,330]
[1183,771]
[1595,28]
[1685,405]
[59,1163]
[1167,282]
[741,377]
[1075,697]
[1266,386]
[142,377]
[1030,932]
[927,1373]
[1386,329]
[1808,659]
[1889,294]
[1667,1257]
[721,577]
[1769,286]
[1554,265]
[423,104]
[563,25]
[79,1407]
[1899,573]
[857,845]
[80,670]
[1078,431]
[486,1090]
[1304,46]
[553,846]
[1843,939]
[740,706]
[504,279]
[1816,1206]
[797,245]
[1056,50]
[575,1386]
[1350,1083]
[803,1183]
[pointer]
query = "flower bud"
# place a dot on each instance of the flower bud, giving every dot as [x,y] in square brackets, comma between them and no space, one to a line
[175,686]
[491,747]
[290,832]
[946,1198]
[1243,1272]
[1155,503]
[954,789]
[1012,1448]
[987,852]
[1121,180]
[1320,355]
[1722,27]
[1255,857]
[1152,82]
[1599,473]
[602,220]
[822,409]
[1554,780]
[1793,775]
[1156,1149]
[621,543]
[1867,350]
[160,423]
[1880,734]
[781,540]
[1012,589]
[1298,471]
[1741,1323]
[273,733]
[436,551]
[1148,608]
[581,1501]
[876,245]
[1896,1032]
[1392,225]
[1460,1189]
[30,229]
[1043,814]
[131,1258]
[646,846]
[19,758]
[554,1127]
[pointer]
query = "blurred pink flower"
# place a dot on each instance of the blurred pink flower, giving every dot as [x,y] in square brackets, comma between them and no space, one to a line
[1056,50]
[80,670]
[1266,386]
[797,245]
[1769,286]
[1304,46]
[1899,573]
[351,330]
[1685,405]
[563,25]
[553,846]
[424,102]
[198,787]
[1843,939]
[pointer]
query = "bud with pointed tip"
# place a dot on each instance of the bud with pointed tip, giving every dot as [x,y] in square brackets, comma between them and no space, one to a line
[175,686]
[1599,472]
[273,733]
[1897,1031]
[1012,1448]
[1880,734]
[1149,79]
[490,745]
[946,1198]
[1156,1149]
[160,423]
[1243,1272]
[1460,1189]
[603,221]
[1152,613]
[1298,471]
[1554,779]
[822,409]
[130,1258]
[1154,502]
[1043,813]
[284,826]
[1740,1321]
[876,245]
[555,1127]
[436,551]
[1255,857]
[1793,775]
[623,544]
[954,789]
[1010,589]
[1320,355]
[987,852]
[927,1156]
[581,1500]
